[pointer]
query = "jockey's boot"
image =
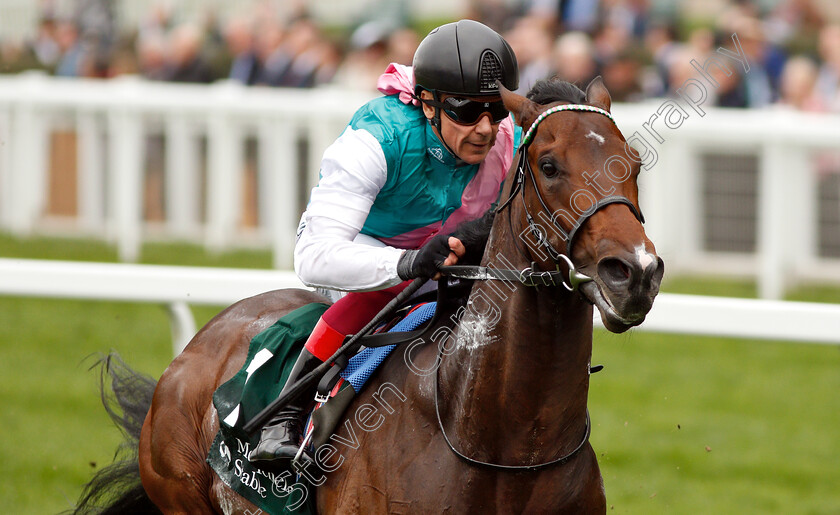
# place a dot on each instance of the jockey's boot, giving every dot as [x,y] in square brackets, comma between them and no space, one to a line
[281,436]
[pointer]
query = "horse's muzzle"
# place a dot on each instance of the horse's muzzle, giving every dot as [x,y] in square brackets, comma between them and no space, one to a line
[624,290]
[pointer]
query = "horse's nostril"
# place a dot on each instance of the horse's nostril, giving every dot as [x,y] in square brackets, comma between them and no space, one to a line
[614,272]
[624,269]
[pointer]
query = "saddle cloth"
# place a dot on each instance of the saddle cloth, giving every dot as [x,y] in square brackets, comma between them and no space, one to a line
[271,356]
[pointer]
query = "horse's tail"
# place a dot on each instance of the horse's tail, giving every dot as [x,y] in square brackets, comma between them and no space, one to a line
[117,487]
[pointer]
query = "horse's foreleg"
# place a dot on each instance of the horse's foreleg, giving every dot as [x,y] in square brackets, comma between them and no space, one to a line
[593,498]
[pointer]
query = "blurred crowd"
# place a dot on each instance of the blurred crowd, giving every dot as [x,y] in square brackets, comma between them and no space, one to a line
[793,49]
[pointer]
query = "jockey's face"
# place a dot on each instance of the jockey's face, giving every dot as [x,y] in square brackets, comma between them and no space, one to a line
[471,143]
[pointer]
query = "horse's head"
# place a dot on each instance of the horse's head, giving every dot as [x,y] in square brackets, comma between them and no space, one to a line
[580,198]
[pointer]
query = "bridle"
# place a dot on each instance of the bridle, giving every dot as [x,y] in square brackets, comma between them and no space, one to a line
[531,276]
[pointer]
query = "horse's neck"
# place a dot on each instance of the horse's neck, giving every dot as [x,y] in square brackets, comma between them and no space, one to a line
[518,378]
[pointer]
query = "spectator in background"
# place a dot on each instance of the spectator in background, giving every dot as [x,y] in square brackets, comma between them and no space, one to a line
[71,63]
[680,71]
[576,15]
[185,61]
[798,82]
[158,20]
[792,21]
[766,61]
[660,43]
[239,37]
[622,76]
[152,46]
[531,42]
[732,90]
[45,46]
[97,26]
[151,55]
[295,40]
[828,80]
[402,43]
[700,46]
[609,41]
[367,58]
[373,47]
[304,44]
[268,40]
[631,16]
[214,48]
[701,41]
[124,58]
[574,58]
[567,15]
[330,60]
[496,14]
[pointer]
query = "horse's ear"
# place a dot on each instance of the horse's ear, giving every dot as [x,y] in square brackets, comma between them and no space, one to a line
[523,110]
[597,94]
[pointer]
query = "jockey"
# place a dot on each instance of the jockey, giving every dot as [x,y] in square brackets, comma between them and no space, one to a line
[408,168]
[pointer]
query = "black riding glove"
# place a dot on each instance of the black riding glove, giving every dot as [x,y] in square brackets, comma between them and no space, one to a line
[425,261]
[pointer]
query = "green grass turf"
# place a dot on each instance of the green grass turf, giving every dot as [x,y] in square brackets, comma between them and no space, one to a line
[685,424]
[681,424]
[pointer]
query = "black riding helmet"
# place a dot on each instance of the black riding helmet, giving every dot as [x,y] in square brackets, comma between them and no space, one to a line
[464,58]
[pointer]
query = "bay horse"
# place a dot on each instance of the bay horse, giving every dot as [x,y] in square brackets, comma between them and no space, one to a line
[495,413]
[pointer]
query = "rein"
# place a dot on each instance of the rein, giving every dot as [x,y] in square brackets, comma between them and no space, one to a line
[530,276]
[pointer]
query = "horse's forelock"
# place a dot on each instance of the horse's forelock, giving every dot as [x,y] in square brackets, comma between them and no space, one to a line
[552,90]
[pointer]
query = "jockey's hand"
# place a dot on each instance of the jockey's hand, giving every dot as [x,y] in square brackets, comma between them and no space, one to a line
[440,251]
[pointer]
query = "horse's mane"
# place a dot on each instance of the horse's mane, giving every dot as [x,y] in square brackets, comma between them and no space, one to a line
[552,90]
[473,235]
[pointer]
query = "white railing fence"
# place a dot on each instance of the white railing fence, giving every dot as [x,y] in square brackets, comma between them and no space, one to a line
[211,135]
[175,287]
[178,287]
[112,121]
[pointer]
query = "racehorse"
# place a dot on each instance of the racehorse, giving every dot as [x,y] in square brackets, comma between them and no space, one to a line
[495,412]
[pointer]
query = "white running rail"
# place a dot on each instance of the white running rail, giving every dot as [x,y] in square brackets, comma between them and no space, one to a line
[177,287]
[174,286]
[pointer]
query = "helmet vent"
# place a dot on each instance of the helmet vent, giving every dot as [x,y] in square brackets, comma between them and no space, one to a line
[490,71]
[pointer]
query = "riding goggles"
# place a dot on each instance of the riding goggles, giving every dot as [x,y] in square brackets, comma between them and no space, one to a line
[464,111]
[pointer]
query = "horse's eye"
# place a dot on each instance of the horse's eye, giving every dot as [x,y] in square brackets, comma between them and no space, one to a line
[548,169]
